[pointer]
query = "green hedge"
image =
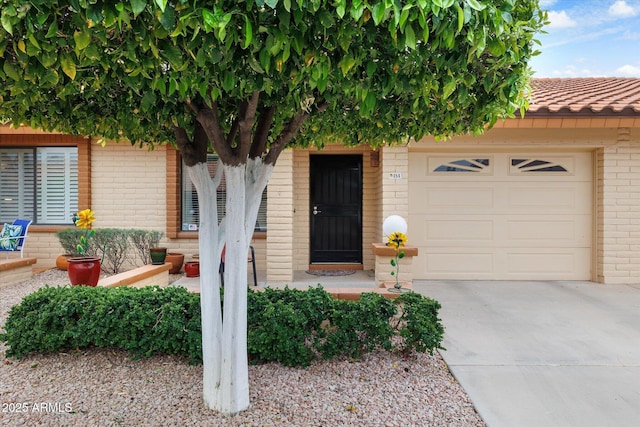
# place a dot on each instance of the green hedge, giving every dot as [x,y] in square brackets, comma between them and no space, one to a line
[292,327]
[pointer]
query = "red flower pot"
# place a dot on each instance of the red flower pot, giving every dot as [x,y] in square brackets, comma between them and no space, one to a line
[192,268]
[84,271]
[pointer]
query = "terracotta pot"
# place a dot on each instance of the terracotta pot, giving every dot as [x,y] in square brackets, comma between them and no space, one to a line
[62,261]
[84,271]
[158,255]
[192,268]
[176,261]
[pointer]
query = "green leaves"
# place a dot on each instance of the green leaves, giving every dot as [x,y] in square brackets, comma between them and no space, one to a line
[289,326]
[144,321]
[68,65]
[82,39]
[378,12]
[216,21]
[137,6]
[11,71]
[385,70]
[162,4]
[248,32]
[475,4]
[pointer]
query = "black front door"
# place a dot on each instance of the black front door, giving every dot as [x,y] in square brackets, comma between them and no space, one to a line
[336,209]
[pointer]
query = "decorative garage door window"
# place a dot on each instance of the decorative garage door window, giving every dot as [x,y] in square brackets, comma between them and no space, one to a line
[477,165]
[532,165]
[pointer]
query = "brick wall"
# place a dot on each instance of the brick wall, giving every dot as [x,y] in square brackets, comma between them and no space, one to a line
[280,236]
[395,197]
[618,209]
[128,186]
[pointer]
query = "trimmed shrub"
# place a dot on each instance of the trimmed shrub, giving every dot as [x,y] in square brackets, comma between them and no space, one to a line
[289,326]
[143,321]
[286,326]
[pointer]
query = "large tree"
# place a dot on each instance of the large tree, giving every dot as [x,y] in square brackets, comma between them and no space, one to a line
[246,79]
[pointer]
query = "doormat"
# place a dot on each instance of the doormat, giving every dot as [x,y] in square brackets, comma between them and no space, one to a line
[331,272]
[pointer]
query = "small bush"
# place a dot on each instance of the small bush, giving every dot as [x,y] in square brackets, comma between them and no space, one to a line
[291,327]
[143,321]
[112,245]
[142,241]
[418,324]
[286,325]
[358,328]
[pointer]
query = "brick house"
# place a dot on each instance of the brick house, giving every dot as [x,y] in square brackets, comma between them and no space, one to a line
[554,195]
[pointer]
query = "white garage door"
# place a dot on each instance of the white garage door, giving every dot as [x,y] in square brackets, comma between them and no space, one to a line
[501,216]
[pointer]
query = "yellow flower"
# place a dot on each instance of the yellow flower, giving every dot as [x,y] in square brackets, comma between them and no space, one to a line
[85,218]
[397,240]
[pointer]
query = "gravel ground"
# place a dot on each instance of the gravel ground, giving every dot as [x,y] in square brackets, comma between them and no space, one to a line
[105,387]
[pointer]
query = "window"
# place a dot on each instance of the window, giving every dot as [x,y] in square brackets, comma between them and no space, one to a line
[39,184]
[537,165]
[190,208]
[464,165]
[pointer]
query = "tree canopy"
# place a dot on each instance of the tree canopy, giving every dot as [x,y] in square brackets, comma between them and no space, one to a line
[379,71]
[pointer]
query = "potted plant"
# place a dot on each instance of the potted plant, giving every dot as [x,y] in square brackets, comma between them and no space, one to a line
[176,259]
[84,269]
[158,255]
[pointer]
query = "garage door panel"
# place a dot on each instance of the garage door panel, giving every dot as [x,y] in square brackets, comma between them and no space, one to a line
[541,263]
[545,231]
[508,222]
[516,265]
[460,230]
[444,265]
[551,233]
[437,198]
[546,198]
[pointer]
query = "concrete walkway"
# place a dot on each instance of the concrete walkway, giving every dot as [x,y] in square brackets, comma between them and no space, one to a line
[544,353]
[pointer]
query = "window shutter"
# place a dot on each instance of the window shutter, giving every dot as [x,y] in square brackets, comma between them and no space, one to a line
[57,189]
[16,184]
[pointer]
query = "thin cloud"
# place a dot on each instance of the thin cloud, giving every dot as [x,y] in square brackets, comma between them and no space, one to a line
[630,35]
[629,71]
[560,20]
[583,37]
[620,9]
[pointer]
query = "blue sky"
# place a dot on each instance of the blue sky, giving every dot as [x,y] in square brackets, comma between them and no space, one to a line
[590,38]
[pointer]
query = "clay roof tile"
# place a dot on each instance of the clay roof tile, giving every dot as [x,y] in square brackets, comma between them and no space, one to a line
[602,96]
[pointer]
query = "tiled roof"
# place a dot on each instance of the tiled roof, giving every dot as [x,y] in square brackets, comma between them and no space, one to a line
[586,97]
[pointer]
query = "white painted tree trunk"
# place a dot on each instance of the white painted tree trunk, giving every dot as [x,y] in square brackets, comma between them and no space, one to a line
[224,340]
[211,316]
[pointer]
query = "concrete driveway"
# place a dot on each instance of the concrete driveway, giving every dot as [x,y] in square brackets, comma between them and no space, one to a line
[544,353]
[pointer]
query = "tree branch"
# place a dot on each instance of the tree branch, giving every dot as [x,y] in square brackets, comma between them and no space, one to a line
[288,133]
[210,121]
[247,120]
[192,151]
[259,145]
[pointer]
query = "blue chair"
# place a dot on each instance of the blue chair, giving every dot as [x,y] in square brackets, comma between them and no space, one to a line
[9,244]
